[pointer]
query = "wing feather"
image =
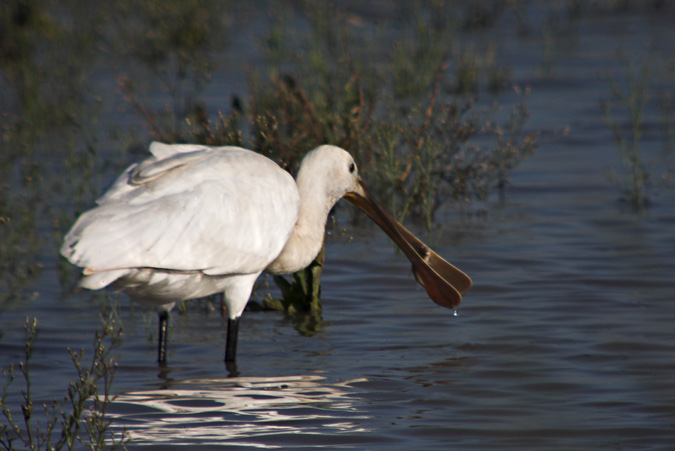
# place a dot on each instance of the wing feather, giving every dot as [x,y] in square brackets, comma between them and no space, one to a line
[216,210]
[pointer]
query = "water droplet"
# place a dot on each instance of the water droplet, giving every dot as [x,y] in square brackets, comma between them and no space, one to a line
[455,313]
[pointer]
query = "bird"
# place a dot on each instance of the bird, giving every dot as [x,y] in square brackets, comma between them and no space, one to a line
[194,220]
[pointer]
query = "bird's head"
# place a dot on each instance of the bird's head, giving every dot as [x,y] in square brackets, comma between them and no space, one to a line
[334,170]
[331,172]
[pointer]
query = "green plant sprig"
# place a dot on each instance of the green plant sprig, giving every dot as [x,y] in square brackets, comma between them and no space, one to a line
[84,406]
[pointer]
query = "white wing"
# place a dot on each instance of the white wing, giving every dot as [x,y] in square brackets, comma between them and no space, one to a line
[217,210]
[163,155]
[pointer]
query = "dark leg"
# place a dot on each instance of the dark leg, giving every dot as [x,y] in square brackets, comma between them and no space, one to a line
[163,326]
[231,345]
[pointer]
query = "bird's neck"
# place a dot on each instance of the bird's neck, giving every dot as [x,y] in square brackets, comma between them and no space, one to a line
[308,234]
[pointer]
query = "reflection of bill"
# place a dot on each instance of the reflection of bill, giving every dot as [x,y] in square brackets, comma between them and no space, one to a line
[212,411]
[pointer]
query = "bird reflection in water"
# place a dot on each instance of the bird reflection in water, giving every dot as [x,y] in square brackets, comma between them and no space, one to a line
[218,411]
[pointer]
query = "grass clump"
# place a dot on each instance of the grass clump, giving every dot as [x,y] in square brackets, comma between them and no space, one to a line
[624,115]
[301,297]
[77,419]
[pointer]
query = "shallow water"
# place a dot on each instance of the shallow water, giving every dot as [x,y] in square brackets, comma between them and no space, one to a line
[566,340]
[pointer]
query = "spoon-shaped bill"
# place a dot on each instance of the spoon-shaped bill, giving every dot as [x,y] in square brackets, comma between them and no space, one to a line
[444,283]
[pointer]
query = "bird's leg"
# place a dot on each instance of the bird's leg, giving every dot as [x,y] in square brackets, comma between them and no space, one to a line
[231,368]
[232,334]
[163,329]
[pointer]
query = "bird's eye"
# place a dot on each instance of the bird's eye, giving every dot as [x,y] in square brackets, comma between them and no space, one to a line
[352,168]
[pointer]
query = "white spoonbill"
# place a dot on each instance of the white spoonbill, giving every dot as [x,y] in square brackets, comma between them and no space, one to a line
[194,220]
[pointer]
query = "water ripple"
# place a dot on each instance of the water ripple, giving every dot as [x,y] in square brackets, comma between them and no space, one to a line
[237,411]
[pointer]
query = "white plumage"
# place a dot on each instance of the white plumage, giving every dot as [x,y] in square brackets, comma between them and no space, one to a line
[194,220]
[180,224]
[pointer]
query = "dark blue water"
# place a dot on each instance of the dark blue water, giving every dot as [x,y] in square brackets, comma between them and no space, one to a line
[566,341]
